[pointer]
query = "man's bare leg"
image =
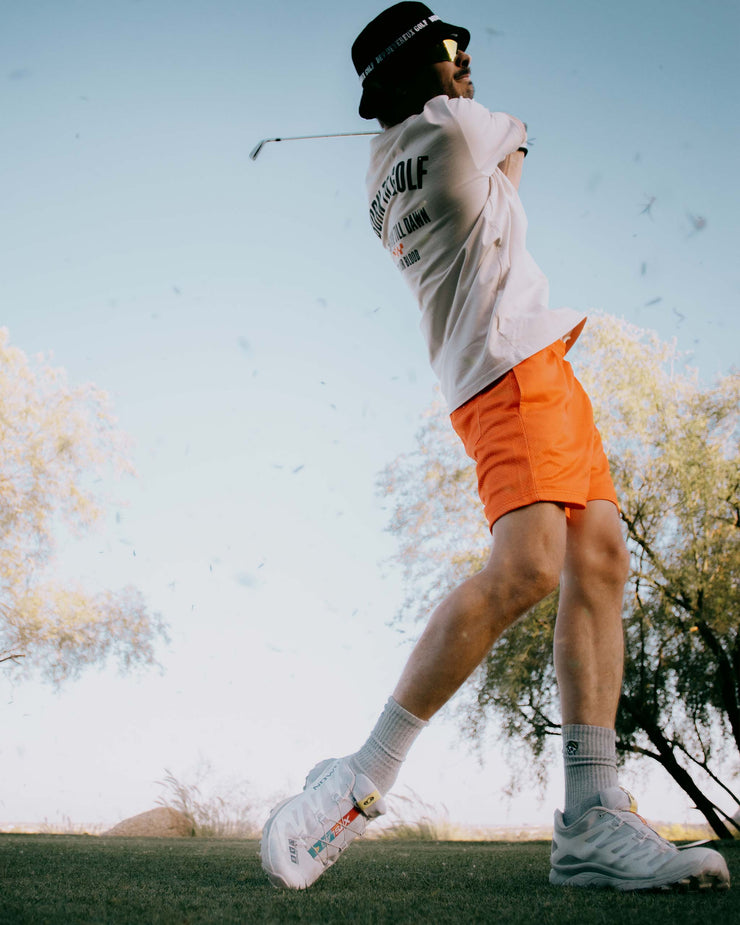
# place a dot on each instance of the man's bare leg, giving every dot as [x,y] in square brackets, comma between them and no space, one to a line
[529,547]
[589,646]
[597,841]
[589,652]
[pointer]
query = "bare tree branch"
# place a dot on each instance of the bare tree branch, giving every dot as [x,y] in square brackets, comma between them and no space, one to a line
[12,658]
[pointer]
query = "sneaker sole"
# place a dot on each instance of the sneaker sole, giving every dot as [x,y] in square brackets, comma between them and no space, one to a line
[275,879]
[705,882]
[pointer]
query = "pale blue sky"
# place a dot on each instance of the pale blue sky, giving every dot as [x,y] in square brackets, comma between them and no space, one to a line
[246,323]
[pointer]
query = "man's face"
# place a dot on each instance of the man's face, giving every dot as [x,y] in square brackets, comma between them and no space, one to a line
[452,78]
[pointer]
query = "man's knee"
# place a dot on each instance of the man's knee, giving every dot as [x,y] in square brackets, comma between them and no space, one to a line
[606,558]
[527,557]
[540,576]
[516,582]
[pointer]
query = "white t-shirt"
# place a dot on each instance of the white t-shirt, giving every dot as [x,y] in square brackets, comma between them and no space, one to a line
[456,228]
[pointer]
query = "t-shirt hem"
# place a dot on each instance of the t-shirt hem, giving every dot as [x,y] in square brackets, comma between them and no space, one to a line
[496,372]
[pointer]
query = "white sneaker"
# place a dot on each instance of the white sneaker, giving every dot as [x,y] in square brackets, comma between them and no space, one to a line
[611,846]
[305,834]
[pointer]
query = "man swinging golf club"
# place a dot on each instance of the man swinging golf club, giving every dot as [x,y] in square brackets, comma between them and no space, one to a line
[442,188]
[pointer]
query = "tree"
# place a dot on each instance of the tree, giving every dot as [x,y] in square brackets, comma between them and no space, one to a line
[673,449]
[56,444]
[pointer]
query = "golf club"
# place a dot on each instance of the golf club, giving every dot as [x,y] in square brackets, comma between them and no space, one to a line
[257,148]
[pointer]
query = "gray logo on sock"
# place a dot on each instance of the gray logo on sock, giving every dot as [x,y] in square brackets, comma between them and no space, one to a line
[571,748]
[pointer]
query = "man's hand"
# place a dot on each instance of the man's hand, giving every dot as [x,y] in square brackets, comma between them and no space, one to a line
[511,165]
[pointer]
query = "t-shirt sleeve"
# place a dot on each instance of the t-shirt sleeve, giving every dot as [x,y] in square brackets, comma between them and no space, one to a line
[490,136]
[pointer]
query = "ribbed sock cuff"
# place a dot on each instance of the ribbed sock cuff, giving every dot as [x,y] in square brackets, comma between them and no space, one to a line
[397,729]
[381,757]
[585,743]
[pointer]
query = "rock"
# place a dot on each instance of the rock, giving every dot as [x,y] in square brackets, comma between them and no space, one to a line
[163,822]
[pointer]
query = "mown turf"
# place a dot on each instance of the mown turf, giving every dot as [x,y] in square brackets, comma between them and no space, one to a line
[78,879]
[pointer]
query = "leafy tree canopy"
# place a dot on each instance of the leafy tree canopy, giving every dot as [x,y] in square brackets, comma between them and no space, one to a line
[56,445]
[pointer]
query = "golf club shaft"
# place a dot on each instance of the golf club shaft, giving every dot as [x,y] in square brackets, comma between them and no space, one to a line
[256,150]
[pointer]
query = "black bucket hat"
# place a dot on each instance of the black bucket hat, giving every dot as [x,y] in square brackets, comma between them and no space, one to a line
[394,37]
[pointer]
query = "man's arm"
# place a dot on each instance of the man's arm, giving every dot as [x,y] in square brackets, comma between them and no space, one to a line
[511,166]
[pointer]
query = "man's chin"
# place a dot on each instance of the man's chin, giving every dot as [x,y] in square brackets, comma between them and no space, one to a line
[467,89]
[464,89]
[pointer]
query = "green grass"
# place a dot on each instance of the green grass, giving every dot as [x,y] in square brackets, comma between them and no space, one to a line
[74,879]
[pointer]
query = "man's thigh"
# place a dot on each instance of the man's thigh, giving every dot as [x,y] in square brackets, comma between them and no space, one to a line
[529,538]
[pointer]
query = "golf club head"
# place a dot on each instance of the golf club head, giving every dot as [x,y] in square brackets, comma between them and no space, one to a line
[256,150]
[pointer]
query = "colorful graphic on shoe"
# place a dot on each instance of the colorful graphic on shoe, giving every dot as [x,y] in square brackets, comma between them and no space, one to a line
[343,823]
[328,837]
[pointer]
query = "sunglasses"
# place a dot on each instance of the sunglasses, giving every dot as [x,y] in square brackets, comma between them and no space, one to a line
[446,50]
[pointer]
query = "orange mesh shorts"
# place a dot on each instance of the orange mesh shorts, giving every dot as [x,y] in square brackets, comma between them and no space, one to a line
[532,437]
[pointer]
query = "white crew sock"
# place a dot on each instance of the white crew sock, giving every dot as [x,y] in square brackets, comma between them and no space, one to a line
[590,757]
[381,757]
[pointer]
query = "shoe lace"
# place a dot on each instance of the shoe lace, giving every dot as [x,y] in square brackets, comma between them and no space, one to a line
[641,832]
[647,831]
[334,826]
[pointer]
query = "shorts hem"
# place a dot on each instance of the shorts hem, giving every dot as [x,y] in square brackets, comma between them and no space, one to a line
[566,499]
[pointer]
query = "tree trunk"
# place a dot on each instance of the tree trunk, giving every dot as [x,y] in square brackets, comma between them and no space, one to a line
[682,777]
[728,679]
